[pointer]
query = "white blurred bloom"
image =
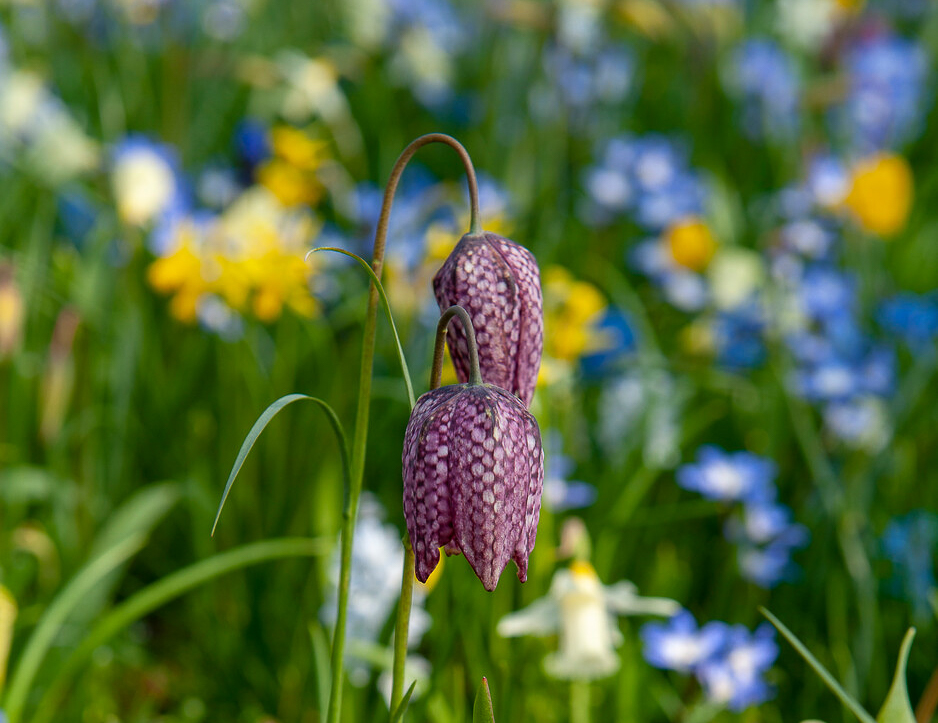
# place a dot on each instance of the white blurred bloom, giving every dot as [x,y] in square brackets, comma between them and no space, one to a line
[143,180]
[583,612]
[312,88]
[806,23]
[734,275]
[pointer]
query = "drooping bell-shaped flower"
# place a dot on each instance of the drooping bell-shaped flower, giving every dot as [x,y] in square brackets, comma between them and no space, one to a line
[473,477]
[498,282]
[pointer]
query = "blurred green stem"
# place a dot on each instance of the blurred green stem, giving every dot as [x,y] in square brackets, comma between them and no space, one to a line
[360,435]
[579,701]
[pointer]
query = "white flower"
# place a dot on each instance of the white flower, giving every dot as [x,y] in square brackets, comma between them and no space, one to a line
[583,612]
[143,180]
[734,274]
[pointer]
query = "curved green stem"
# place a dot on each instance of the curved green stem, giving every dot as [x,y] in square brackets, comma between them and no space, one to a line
[360,435]
[475,376]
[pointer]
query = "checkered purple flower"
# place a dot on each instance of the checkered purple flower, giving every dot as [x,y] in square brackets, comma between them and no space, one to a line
[499,284]
[473,476]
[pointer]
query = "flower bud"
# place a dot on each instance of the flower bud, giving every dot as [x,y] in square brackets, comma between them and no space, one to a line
[473,476]
[499,284]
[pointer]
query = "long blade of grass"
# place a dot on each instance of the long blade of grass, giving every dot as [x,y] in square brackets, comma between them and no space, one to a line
[398,714]
[52,620]
[164,591]
[387,308]
[849,701]
[263,421]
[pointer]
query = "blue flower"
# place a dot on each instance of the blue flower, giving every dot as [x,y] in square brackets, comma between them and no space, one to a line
[911,317]
[680,645]
[584,81]
[887,80]
[828,180]
[826,293]
[252,142]
[909,542]
[728,477]
[735,677]
[729,662]
[612,340]
[807,237]
[737,336]
[765,76]
[648,175]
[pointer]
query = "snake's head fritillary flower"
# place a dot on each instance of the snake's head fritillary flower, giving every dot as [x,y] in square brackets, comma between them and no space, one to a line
[473,477]
[498,282]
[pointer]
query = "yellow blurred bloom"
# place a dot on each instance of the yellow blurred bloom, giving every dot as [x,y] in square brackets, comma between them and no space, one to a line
[291,173]
[12,311]
[7,620]
[292,185]
[297,148]
[691,243]
[252,257]
[570,308]
[881,192]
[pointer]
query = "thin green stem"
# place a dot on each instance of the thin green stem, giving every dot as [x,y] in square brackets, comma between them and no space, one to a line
[579,701]
[360,435]
[402,627]
[475,376]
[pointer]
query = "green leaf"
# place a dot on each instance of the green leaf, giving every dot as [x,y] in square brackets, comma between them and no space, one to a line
[165,590]
[482,710]
[897,708]
[55,616]
[387,308]
[263,421]
[398,714]
[858,710]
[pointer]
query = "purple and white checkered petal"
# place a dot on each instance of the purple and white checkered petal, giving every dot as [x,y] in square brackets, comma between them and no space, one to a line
[426,470]
[498,283]
[493,479]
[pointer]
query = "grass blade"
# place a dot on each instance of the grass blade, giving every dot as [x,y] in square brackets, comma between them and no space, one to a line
[482,708]
[166,590]
[858,710]
[52,620]
[387,308]
[398,714]
[263,421]
[897,708]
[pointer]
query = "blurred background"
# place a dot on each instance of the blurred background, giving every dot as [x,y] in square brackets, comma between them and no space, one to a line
[732,204]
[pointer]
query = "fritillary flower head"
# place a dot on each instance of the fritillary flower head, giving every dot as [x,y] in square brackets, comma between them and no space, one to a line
[473,468]
[498,282]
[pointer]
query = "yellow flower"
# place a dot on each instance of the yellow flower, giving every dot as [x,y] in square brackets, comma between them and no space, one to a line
[881,192]
[570,309]
[297,148]
[252,257]
[289,183]
[691,244]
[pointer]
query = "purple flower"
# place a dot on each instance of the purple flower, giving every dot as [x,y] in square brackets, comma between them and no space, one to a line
[473,477]
[499,284]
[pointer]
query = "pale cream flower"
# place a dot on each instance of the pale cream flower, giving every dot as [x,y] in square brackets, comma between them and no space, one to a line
[582,611]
